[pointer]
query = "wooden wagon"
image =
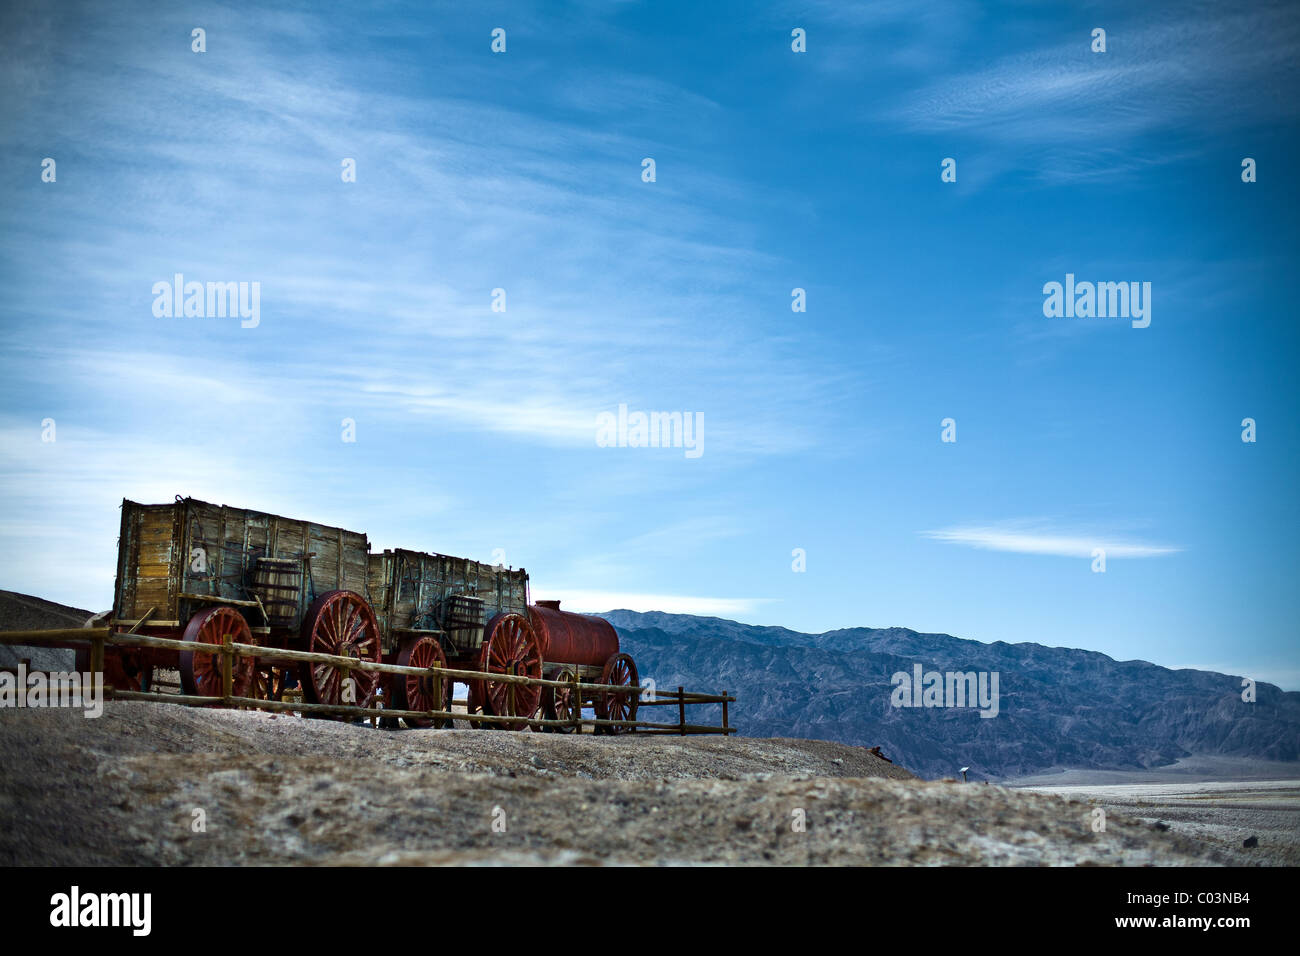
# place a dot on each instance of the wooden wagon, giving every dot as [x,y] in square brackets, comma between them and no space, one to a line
[438,610]
[202,573]
[199,572]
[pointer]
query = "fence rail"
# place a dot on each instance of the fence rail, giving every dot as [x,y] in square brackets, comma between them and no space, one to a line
[97,638]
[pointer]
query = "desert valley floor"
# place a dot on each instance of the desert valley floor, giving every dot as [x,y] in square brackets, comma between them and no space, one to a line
[132,786]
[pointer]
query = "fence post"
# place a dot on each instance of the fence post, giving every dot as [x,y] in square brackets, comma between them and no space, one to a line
[227,668]
[725,725]
[681,710]
[577,703]
[96,655]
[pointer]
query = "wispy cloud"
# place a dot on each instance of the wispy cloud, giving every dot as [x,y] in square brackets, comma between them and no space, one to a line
[1151,75]
[1201,73]
[376,294]
[1023,539]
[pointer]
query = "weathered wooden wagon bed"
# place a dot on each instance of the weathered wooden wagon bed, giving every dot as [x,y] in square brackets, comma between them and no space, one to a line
[200,571]
[438,610]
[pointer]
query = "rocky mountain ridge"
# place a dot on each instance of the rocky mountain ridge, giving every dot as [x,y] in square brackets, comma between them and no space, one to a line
[1058,707]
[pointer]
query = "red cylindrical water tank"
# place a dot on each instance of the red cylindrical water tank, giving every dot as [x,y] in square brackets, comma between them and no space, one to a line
[572,638]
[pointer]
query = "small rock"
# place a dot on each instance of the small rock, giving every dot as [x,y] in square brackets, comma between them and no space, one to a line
[1250,842]
[536,761]
[1161,825]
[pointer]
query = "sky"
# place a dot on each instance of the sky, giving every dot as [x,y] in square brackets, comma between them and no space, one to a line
[821,440]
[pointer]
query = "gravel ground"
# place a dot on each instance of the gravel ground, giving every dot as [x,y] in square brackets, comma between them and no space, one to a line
[1222,814]
[281,790]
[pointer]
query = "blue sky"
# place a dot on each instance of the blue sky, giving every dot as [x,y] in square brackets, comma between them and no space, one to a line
[775,170]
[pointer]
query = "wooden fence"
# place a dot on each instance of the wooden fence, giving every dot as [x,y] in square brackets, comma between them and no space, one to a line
[98,637]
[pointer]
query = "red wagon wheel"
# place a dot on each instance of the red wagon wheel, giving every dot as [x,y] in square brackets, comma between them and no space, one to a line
[125,668]
[341,623]
[200,670]
[557,703]
[620,670]
[417,693]
[510,647]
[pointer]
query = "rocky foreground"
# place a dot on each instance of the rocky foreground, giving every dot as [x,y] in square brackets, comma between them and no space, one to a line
[157,784]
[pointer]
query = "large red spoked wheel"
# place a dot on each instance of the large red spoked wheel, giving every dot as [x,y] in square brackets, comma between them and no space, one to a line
[201,670]
[341,623]
[557,703]
[417,693]
[620,670]
[510,646]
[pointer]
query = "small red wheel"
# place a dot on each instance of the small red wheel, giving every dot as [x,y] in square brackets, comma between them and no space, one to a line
[201,671]
[417,693]
[341,623]
[557,703]
[619,670]
[510,647]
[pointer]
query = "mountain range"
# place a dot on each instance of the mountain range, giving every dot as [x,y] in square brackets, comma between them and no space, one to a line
[1057,707]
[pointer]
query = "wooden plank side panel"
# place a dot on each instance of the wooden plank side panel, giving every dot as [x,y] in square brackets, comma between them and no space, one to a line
[325,559]
[234,563]
[146,554]
[377,582]
[517,590]
[203,550]
[356,562]
[257,538]
[419,581]
[292,542]
[405,574]
[291,539]
[377,572]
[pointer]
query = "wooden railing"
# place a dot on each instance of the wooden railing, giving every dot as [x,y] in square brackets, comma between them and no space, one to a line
[97,638]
